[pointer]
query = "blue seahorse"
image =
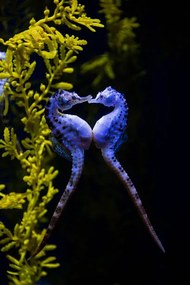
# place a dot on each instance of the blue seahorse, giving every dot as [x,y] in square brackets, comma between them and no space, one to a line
[108,134]
[2,83]
[74,136]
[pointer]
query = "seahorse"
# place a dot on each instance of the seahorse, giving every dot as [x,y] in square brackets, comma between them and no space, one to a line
[75,135]
[108,134]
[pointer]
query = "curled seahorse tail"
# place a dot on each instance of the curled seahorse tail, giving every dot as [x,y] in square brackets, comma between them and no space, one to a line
[114,164]
[77,167]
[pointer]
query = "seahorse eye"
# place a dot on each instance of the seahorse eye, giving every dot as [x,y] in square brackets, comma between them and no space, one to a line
[110,99]
[62,101]
[73,97]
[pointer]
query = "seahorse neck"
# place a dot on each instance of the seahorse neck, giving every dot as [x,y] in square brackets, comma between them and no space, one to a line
[54,109]
[119,117]
[117,111]
[120,107]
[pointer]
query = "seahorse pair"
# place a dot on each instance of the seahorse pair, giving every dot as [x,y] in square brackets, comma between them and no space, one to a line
[73,136]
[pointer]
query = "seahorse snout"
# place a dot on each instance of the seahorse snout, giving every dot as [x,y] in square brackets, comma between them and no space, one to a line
[92,100]
[85,99]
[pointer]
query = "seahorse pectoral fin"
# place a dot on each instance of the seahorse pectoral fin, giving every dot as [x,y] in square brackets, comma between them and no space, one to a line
[123,138]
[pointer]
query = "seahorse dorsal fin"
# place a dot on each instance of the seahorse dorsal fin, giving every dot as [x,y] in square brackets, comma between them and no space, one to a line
[121,140]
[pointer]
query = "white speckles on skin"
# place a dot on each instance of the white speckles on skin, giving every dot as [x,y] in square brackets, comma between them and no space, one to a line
[107,133]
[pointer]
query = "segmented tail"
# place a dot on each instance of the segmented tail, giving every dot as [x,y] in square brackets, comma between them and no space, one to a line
[76,171]
[114,164]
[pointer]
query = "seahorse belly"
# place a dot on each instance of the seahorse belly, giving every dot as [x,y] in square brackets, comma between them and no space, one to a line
[101,132]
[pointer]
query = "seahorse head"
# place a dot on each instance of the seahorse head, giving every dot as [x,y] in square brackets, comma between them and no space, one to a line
[107,97]
[66,100]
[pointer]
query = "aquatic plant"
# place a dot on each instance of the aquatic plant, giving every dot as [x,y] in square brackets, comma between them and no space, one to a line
[40,47]
[121,45]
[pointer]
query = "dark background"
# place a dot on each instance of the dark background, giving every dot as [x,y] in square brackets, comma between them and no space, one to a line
[101,239]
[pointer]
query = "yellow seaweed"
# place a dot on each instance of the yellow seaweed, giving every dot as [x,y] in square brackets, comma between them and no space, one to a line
[120,40]
[58,52]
